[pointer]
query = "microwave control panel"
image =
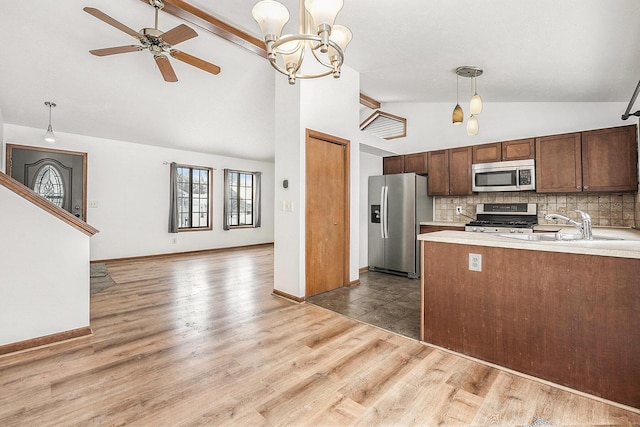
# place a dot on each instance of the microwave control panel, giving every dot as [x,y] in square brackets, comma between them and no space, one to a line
[525,177]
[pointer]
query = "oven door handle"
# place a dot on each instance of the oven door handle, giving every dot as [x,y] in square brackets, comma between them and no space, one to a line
[518,178]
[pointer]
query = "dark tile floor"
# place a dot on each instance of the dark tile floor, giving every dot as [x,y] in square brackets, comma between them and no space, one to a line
[384,300]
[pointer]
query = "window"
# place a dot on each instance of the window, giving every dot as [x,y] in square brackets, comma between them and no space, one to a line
[193,197]
[48,184]
[242,199]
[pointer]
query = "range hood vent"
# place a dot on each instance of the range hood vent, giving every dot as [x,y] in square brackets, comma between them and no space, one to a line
[385,125]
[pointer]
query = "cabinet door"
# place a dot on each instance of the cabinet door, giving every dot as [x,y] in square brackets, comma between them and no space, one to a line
[486,153]
[416,163]
[460,171]
[438,165]
[392,164]
[558,164]
[610,160]
[521,149]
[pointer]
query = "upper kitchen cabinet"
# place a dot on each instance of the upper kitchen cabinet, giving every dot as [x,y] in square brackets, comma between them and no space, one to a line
[603,160]
[450,172]
[520,149]
[610,160]
[460,171]
[438,182]
[416,163]
[558,164]
[487,153]
[392,164]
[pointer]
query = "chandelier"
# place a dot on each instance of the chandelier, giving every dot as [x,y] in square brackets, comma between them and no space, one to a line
[317,35]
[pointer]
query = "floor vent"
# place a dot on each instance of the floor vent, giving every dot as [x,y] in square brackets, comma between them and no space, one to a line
[385,125]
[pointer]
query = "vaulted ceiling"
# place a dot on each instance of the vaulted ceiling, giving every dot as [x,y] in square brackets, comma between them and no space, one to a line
[543,51]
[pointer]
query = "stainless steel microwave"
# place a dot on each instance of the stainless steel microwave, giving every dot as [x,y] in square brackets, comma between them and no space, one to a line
[515,175]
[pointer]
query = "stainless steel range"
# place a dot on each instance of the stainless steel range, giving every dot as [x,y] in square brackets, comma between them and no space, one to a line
[504,218]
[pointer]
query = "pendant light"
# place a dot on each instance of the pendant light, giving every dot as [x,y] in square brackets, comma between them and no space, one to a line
[475,106]
[472,126]
[49,136]
[458,115]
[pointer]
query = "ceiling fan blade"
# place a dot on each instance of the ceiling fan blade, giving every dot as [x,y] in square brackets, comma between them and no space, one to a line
[109,20]
[178,35]
[196,62]
[165,68]
[115,50]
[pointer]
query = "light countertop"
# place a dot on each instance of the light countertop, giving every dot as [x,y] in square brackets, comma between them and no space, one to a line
[443,223]
[628,248]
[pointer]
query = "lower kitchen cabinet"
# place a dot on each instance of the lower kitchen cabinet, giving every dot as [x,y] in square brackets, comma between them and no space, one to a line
[574,322]
[434,228]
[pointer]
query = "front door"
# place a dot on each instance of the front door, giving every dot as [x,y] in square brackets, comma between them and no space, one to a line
[58,176]
[327,213]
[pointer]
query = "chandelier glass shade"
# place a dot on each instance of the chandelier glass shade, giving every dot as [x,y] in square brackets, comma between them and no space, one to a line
[49,136]
[317,35]
[475,104]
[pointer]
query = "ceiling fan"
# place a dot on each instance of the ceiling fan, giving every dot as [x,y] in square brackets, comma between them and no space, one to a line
[158,42]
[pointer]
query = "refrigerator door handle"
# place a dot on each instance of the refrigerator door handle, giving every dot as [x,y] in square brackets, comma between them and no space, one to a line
[385,211]
[382,207]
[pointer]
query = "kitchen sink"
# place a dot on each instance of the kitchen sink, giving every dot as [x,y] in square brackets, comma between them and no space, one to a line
[551,237]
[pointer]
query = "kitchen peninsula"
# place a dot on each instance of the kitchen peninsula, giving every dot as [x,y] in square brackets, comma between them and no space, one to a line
[563,311]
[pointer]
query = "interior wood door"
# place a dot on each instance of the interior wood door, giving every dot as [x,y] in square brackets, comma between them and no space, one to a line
[327,213]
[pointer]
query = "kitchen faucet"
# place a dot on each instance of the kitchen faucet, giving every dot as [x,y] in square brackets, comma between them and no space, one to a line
[584,226]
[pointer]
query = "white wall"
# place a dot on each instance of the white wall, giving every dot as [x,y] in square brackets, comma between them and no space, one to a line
[130,184]
[370,165]
[44,265]
[429,125]
[326,105]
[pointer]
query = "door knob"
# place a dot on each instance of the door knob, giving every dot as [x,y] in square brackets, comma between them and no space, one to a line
[335,223]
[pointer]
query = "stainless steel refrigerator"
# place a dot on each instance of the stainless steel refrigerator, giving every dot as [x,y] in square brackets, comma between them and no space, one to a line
[397,205]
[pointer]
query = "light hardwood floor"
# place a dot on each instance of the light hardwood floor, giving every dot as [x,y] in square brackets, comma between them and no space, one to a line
[200,340]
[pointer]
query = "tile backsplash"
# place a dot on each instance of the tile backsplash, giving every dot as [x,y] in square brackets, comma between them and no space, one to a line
[620,210]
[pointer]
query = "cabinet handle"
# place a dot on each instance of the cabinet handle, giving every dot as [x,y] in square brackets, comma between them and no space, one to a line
[578,187]
[586,187]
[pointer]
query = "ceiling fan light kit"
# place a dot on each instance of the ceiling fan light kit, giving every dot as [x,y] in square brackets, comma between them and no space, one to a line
[317,35]
[49,136]
[159,43]
[475,105]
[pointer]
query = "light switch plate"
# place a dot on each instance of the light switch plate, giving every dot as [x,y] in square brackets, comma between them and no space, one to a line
[475,262]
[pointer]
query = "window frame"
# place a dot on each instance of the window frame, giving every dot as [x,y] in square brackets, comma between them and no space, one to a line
[253,194]
[209,171]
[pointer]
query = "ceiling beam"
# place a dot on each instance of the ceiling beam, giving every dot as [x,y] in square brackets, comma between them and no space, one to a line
[195,16]
[369,102]
[202,19]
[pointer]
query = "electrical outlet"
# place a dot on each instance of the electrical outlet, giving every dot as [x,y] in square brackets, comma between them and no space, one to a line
[475,262]
[458,210]
[93,204]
